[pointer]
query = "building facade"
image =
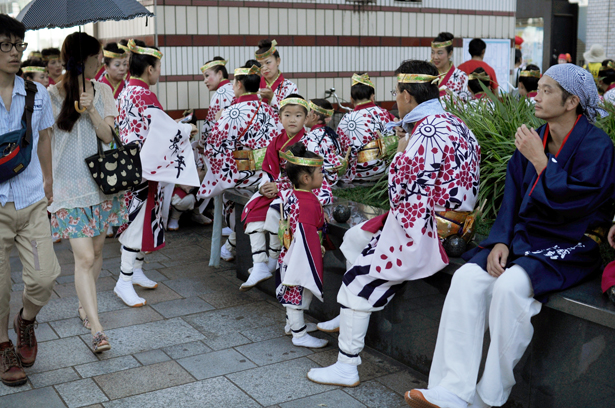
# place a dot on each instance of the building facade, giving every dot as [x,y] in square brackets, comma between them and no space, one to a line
[601,25]
[321,42]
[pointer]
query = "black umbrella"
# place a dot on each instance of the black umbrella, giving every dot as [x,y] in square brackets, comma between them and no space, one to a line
[68,13]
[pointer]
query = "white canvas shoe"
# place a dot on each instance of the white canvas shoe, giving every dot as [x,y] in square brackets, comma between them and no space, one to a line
[330,326]
[226,231]
[139,278]
[125,291]
[260,272]
[341,374]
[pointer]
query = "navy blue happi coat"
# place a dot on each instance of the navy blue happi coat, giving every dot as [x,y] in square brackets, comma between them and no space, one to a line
[544,217]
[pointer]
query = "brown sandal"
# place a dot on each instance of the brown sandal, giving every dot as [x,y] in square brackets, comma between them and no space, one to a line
[100,342]
[84,320]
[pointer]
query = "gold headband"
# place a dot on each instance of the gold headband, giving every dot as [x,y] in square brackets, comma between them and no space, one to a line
[530,74]
[212,64]
[268,52]
[123,47]
[481,76]
[418,78]
[134,48]
[48,58]
[253,70]
[444,44]
[295,101]
[318,109]
[34,69]
[362,79]
[113,55]
[302,161]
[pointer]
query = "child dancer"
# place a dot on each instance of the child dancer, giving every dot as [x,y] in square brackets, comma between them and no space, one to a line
[258,217]
[301,265]
[528,82]
[166,157]
[215,77]
[323,141]
[35,70]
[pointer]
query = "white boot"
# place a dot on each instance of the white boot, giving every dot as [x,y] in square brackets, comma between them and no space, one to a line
[226,231]
[298,329]
[260,272]
[174,217]
[345,375]
[351,340]
[125,291]
[139,278]
[272,264]
[436,396]
[226,255]
[330,326]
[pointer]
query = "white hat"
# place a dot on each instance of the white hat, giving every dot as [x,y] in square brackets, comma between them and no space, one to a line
[595,54]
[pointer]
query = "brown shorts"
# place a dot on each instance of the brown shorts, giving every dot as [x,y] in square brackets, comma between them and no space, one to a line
[29,230]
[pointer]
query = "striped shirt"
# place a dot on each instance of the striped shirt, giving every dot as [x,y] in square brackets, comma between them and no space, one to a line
[26,188]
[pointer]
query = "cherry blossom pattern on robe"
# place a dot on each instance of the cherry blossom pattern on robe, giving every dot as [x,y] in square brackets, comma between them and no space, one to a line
[221,99]
[301,265]
[356,129]
[438,171]
[231,133]
[457,83]
[321,142]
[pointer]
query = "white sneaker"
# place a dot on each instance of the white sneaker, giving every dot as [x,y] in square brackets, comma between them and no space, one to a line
[110,233]
[57,240]
[200,219]
[260,272]
[342,374]
[226,255]
[226,231]
[309,341]
[124,290]
[173,224]
[272,264]
[331,326]
[139,278]
[310,328]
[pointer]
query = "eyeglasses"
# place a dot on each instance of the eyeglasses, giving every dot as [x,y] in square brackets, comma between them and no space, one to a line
[7,46]
[394,93]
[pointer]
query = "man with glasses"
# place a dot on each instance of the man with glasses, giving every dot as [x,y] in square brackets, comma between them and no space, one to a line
[23,209]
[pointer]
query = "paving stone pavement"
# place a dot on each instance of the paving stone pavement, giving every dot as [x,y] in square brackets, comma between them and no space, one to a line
[198,342]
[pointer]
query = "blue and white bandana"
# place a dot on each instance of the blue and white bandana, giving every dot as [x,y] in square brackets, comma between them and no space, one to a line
[577,81]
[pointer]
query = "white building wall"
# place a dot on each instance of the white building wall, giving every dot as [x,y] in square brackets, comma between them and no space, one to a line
[601,25]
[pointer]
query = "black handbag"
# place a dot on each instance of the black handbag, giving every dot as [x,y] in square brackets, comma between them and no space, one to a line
[16,146]
[117,169]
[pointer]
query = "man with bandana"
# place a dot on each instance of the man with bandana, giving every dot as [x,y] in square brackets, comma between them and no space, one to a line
[558,193]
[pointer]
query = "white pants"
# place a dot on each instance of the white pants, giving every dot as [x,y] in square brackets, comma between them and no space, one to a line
[355,240]
[258,241]
[508,301]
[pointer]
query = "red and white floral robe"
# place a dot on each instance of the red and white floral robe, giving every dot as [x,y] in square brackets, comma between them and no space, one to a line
[166,156]
[281,88]
[324,142]
[438,171]
[356,129]
[301,265]
[221,99]
[248,124]
[456,82]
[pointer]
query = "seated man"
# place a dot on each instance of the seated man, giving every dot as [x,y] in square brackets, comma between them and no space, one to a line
[559,189]
[436,168]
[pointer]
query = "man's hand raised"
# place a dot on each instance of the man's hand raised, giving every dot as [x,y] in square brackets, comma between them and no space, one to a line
[530,145]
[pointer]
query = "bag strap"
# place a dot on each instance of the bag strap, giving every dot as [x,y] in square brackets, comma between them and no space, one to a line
[118,141]
[31,91]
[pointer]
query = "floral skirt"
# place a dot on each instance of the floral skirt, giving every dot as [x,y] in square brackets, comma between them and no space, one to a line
[90,221]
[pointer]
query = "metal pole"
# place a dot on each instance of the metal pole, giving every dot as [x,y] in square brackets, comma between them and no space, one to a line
[216,233]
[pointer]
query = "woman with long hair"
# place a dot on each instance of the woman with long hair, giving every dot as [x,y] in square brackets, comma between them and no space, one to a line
[274,87]
[80,212]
